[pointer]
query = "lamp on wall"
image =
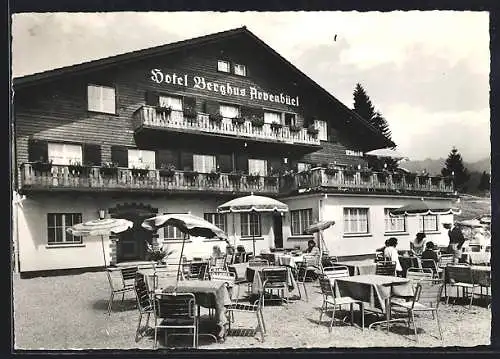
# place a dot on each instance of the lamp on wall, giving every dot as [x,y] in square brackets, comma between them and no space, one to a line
[102,213]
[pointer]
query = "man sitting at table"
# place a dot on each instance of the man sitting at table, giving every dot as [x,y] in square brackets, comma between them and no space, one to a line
[430,252]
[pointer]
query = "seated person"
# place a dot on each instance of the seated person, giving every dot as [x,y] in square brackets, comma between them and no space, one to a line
[430,252]
[418,245]
[311,248]
[391,254]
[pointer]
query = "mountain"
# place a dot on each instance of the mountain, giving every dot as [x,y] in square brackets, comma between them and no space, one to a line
[433,166]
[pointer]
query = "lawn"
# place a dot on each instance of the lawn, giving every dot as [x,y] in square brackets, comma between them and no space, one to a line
[68,312]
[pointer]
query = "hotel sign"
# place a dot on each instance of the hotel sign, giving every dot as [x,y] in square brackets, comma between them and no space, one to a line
[226,89]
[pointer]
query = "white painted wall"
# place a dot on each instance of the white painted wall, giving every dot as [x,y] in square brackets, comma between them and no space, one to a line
[35,254]
[340,244]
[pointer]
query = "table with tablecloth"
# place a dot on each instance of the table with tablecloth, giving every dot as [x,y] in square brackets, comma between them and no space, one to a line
[480,275]
[374,290]
[253,275]
[359,267]
[476,258]
[288,259]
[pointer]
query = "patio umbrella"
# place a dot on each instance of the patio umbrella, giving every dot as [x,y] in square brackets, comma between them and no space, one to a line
[386,153]
[422,208]
[187,224]
[472,223]
[100,227]
[318,227]
[253,204]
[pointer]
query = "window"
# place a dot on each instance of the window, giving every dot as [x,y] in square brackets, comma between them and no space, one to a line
[257,167]
[250,224]
[141,159]
[270,117]
[175,103]
[223,66]
[57,223]
[290,119]
[354,153]
[301,166]
[300,220]
[428,223]
[172,233]
[101,99]
[355,220]
[217,219]
[394,224]
[322,130]
[64,154]
[229,111]
[240,70]
[204,163]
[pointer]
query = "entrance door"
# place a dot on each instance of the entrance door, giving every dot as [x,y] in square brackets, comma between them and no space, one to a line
[278,230]
[131,245]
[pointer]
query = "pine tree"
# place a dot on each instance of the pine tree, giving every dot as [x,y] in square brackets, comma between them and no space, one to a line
[455,168]
[484,182]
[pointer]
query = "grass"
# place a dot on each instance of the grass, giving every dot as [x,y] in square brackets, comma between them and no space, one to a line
[68,312]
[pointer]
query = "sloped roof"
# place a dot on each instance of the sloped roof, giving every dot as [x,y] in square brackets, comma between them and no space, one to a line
[33,79]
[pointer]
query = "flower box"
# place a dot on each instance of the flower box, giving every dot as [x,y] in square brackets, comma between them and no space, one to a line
[42,166]
[139,172]
[78,170]
[253,178]
[163,110]
[190,113]
[349,172]
[215,117]
[166,172]
[108,170]
[276,126]
[270,180]
[294,128]
[213,176]
[234,177]
[190,175]
[257,122]
[330,171]
[238,121]
[365,174]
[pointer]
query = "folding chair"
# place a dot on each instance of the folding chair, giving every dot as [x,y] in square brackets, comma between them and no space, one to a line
[329,298]
[175,311]
[275,279]
[426,299]
[144,303]
[126,274]
[386,268]
[460,276]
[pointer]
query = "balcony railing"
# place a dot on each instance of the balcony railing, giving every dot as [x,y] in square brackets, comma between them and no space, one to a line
[148,116]
[95,179]
[344,180]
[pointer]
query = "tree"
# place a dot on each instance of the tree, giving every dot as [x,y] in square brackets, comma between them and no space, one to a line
[455,168]
[364,108]
[484,182]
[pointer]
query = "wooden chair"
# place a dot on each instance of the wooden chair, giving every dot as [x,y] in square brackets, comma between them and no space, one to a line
[386,268]
[426,299]
[329,298]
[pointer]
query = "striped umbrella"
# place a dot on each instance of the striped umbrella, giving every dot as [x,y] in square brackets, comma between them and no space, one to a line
[252,203]
[100,227]
[318,227]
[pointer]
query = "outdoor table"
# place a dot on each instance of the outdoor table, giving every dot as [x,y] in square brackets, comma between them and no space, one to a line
[476,258]
[375,290]
[208,294]
[359,267]
[253,275]
[287,259]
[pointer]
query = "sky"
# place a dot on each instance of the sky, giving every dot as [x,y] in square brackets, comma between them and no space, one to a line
[427,72]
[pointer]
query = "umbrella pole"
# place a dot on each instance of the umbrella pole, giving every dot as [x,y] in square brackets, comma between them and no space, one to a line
[103,251]
[180,261]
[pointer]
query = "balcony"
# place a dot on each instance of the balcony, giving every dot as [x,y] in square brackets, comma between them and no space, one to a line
[320,179]
[95,179]
[146,117]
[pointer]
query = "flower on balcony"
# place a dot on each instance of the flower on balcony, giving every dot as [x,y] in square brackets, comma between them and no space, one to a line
[191,175]
[276,126]
[158,254]
[257,121]
[365,173]
[270,180]
[164,109]
[42,165]
[234,176]
[108,169]
[215,117]
[294,128]
[313,131]
[166,170]
[349,171]
[214,175]
[76,168]
[254,177]
[238,121]
[331,170]
[190,113]
[139,172]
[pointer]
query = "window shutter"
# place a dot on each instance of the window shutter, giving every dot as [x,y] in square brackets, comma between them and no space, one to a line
[119,155]
[37,150]
[167,157]
[189,102]
[91,154]
[211,107]
[242,162]
[152,98]
[225,163]
[186,161]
